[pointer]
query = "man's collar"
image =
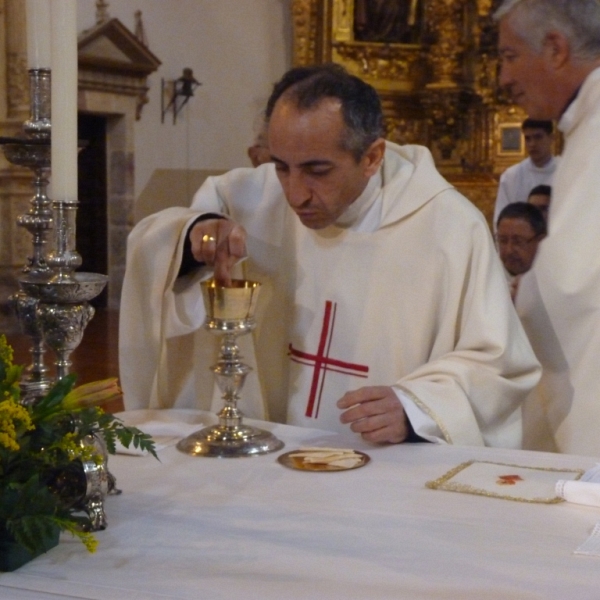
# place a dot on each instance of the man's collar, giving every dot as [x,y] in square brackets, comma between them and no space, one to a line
[354,213]
[570,101]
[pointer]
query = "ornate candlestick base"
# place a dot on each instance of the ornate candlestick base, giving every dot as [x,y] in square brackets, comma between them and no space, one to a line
[230,312]
[63,312]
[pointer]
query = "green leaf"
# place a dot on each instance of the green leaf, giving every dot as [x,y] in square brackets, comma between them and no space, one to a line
[51,401]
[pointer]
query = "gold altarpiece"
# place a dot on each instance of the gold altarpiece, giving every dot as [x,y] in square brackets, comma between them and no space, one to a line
[434,65]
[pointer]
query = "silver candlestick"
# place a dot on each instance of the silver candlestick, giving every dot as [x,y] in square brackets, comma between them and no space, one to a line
[39,125]
[52,303]
[33,152]
[230,313]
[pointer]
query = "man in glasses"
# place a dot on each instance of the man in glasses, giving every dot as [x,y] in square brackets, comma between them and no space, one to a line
[520,228]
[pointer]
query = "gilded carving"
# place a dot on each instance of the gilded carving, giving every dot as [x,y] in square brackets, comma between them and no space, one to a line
[404,131]
[304,20]
[342,20]
[391,68]
[484,7]
[444,20]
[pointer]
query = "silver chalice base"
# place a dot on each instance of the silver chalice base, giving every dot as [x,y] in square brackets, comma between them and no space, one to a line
[229,442]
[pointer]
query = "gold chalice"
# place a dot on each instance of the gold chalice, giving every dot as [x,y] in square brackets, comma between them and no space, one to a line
[229,313]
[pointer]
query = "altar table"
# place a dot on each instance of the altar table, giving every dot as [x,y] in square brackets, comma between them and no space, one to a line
[208,528]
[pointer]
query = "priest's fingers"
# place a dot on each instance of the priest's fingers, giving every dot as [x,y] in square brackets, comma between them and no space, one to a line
[230,248]
[365,394]
[236,243]
[218,243]
[394,433]
[203,239]
[376,413]
[390,427]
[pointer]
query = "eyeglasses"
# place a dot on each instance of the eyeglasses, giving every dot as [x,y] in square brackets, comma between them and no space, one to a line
[515,241]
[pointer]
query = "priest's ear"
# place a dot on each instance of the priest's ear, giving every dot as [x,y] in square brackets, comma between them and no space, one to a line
[371,159]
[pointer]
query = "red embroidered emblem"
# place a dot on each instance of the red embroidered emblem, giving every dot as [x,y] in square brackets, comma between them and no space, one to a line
[508,479]
[323,363]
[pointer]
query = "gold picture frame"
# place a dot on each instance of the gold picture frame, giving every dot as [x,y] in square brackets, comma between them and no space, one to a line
[510,141]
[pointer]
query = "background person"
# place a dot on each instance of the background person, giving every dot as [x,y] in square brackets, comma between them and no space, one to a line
[258,152]
[539,166]
[540,197]
[550,64]
[520,228]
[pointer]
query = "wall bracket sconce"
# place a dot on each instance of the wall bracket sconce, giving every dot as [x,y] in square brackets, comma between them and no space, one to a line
[175,94]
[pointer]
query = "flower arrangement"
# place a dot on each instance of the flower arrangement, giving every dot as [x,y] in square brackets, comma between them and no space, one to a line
[41,443]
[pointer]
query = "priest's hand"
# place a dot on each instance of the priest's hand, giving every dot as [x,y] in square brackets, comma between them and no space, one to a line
[376,413]
[218,243]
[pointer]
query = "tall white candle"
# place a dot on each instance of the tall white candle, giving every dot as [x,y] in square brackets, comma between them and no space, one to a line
[64,100]
[38,34]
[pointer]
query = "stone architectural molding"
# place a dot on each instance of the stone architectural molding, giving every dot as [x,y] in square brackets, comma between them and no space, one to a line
[113,60]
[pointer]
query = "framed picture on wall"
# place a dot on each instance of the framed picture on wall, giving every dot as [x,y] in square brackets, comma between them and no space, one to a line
[511,140]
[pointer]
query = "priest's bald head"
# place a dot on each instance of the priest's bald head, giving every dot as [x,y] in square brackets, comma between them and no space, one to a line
[360,106]
[325,131]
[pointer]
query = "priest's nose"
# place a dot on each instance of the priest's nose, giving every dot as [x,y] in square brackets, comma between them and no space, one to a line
[296,190]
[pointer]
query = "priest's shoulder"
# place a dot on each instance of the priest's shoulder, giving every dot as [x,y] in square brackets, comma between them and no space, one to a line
[252,181]
[453,207]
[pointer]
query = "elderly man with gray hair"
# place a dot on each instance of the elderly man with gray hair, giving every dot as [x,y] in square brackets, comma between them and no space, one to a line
[550,63]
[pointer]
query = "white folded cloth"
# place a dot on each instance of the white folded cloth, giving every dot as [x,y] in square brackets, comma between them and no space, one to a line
[166,427]
[583,491]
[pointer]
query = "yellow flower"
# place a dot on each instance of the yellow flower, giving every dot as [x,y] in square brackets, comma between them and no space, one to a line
[89,541]
[14,419]
[91,394]
[6,351]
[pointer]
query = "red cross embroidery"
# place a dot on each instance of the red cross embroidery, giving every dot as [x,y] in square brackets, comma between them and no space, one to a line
[322,363]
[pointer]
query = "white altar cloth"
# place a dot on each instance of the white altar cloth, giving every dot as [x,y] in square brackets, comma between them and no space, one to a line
[208,528]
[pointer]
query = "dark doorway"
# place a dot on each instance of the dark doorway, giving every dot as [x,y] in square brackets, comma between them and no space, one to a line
[92,214]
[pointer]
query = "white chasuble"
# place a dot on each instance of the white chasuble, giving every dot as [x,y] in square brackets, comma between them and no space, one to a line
[410,294]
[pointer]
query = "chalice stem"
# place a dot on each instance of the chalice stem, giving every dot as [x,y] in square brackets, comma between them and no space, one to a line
[230,374]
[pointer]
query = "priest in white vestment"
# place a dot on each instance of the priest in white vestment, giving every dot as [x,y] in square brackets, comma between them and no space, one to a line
[384,307]
[538,168]
[551,65]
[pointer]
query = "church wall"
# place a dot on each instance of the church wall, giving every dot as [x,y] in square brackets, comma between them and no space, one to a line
[237,50]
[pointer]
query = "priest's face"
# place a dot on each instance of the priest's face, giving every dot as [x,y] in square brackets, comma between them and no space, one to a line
[517,244]
[320,178]
[528,76]
[538,144]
